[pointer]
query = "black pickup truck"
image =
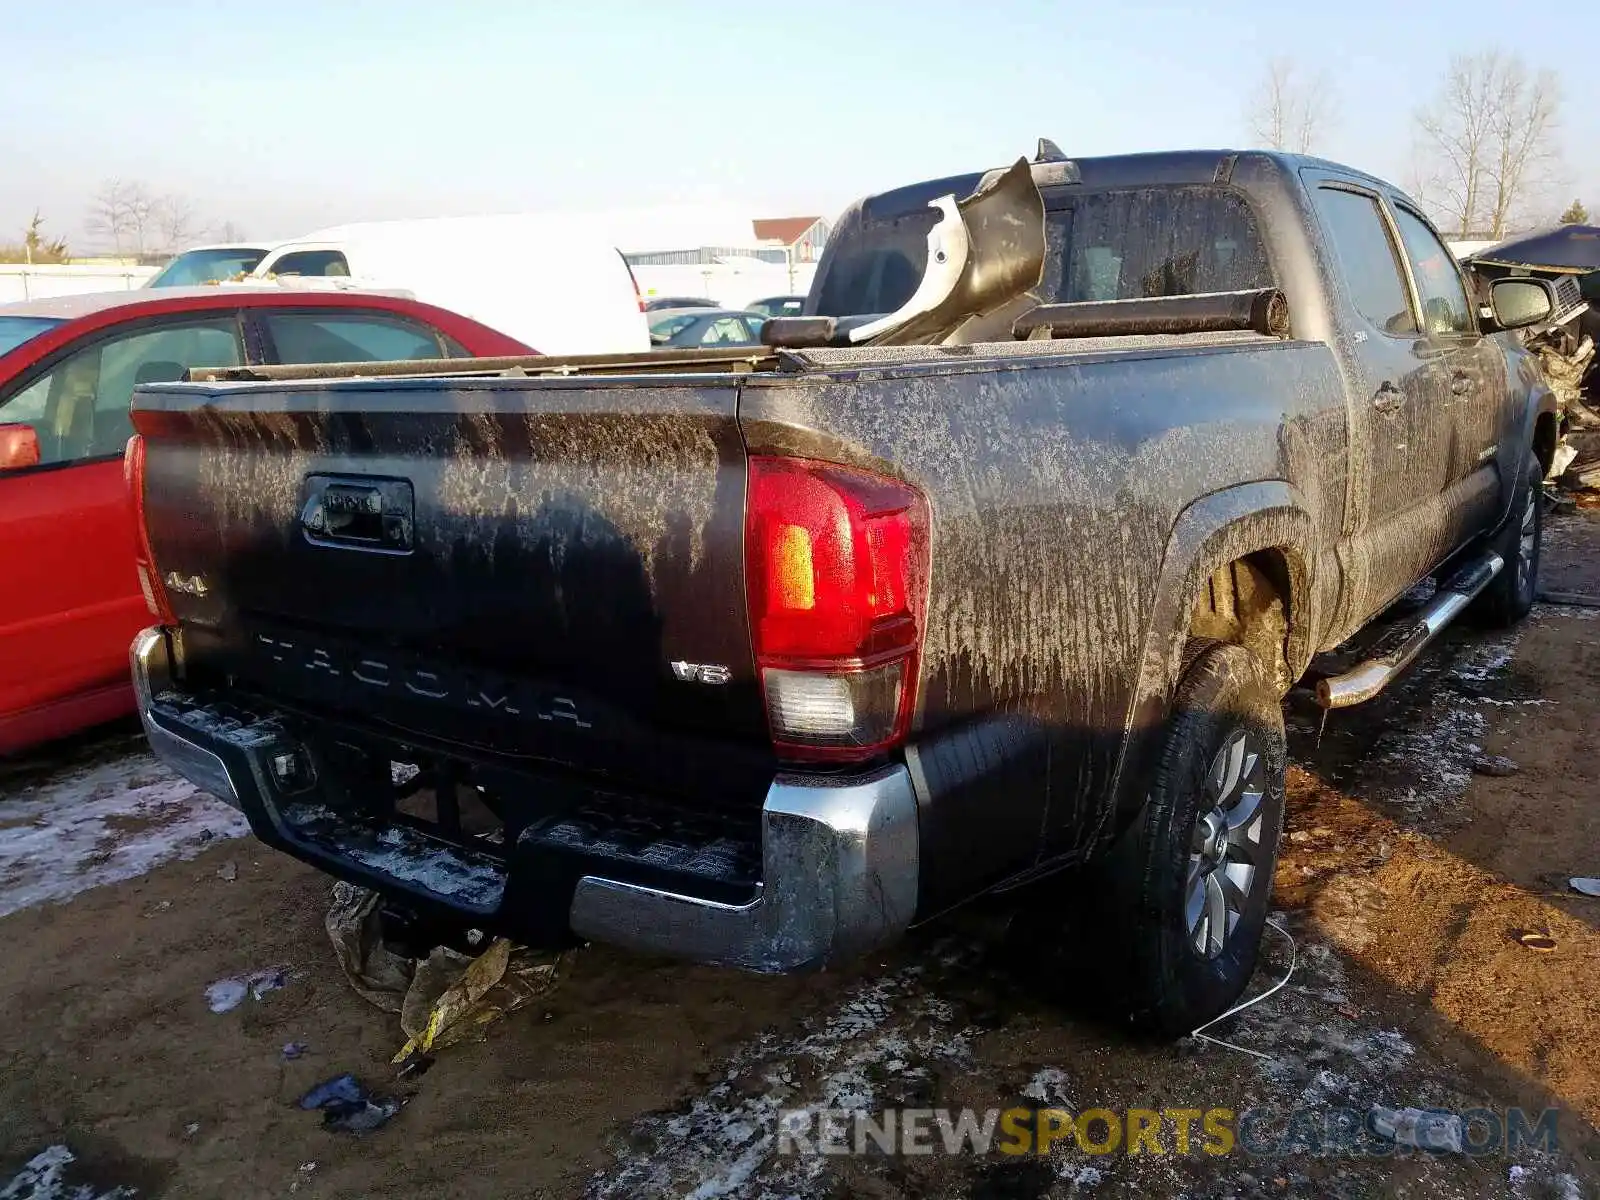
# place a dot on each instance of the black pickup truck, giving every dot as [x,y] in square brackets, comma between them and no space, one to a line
[994,565]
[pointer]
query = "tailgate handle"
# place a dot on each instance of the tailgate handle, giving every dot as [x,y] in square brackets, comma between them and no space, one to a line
[357,512]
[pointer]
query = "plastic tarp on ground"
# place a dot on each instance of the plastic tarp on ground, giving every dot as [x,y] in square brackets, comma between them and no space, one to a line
[441,999]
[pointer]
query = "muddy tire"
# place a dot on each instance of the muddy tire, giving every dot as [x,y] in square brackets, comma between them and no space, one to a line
[1166,927]
[1510,597]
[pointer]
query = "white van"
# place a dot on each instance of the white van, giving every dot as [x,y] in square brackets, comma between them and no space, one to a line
[544,280]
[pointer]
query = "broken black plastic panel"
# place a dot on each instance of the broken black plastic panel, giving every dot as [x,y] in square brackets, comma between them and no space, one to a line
[986,253]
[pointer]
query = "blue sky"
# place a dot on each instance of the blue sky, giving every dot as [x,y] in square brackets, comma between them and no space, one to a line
[284,116]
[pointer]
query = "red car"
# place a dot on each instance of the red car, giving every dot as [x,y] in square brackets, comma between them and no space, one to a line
[70,601]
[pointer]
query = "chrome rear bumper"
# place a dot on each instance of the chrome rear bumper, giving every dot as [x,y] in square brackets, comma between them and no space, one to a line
[151,660]
[839,878]
[839,856]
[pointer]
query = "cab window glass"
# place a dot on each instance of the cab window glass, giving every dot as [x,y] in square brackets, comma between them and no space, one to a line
[79,407]
[1445,307]
[1367,259]
[322,263]
[305,337]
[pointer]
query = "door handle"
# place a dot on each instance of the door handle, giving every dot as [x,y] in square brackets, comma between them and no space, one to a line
[354,512]
[1389,398]
[1461,384]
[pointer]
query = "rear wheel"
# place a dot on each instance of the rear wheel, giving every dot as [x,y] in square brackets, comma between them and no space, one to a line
[1169,921]
[1510,596]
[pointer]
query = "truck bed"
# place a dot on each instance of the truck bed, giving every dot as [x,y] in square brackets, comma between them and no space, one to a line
[573,529]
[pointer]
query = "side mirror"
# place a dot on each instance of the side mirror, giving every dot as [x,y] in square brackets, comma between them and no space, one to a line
[19,447]
[1518,303]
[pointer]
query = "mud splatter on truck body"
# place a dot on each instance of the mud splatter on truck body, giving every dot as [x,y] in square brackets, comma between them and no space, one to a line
[586,533]
[568,541]
[540,578]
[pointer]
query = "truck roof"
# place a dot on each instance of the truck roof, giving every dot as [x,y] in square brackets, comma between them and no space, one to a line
[1118,170]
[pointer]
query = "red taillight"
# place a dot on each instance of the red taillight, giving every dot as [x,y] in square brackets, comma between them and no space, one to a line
[155,595]
[836,574]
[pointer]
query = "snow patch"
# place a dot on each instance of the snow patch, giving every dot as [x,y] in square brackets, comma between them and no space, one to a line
[402,854]
[1049,1085]
[1423,763]
[86,827]
[1571,612]
[873,1051]
[44,1177]
[1480,663]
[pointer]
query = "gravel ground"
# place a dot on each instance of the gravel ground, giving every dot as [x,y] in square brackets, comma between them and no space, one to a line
[1413,867]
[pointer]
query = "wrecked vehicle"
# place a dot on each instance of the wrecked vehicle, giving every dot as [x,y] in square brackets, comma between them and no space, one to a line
[1565,344]
[996,562]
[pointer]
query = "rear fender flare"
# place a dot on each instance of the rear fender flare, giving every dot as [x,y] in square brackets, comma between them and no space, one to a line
[1212,532]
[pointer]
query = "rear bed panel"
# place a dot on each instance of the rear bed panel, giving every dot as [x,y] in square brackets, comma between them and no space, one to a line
[1054,472]
[565,544]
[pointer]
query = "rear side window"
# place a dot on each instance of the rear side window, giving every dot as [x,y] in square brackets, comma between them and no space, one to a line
[312,262]
[879,268]
[1367,259]
[310,337]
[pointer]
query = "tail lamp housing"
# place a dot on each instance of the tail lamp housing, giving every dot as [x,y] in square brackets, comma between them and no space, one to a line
[155,594]
[837,583]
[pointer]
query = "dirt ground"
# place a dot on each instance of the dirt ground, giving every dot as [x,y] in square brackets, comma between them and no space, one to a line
[1407,880]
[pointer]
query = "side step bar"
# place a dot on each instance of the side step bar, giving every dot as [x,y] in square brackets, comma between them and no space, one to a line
[1367,679]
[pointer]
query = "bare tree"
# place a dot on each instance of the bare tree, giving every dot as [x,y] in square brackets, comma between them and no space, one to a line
[228,231]
[1290,110]
[176,223]
[126,214]
[1487,143]
[136,221]
[108,214]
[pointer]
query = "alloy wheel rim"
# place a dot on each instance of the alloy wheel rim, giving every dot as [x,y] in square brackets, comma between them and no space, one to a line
[1225,845]
[1527,543]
